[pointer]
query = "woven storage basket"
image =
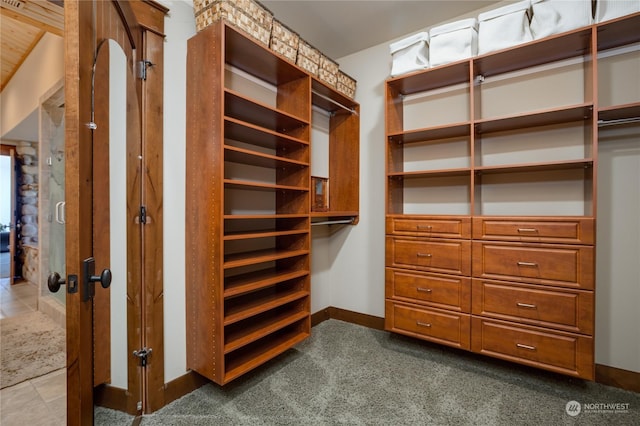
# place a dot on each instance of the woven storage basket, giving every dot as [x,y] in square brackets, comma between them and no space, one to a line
[284,41]
[328,71]
[247,15]
[346,85]
[308,57]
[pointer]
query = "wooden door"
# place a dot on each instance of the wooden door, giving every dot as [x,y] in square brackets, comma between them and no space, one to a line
[91,28]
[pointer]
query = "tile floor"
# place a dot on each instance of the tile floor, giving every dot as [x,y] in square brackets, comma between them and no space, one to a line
[40,401]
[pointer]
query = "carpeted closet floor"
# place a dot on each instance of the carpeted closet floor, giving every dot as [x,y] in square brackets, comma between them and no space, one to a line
[352,375]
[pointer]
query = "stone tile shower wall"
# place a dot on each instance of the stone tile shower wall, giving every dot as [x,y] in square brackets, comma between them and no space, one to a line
[27,204]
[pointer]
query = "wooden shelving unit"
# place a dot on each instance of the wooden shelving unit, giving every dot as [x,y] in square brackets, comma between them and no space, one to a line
[525,203]
[248,206]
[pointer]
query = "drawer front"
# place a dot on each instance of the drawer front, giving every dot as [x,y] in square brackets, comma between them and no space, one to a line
[444,256]
[450,227]
[560,265]
[560,352]
[441,291]
[443,327]
[565,230]
[567,310]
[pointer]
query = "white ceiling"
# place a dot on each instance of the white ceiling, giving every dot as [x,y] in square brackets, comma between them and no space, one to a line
[341,27]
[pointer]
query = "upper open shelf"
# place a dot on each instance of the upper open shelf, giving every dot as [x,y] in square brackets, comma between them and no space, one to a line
[257,60]
[329,99]
[619,32]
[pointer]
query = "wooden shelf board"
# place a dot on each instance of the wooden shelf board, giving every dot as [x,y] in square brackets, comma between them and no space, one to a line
[267,351]
[255,59]
[546,117]
[259,136]
[619,112]
[260,304]
[264,216]
[536,167]
[331,93]
[431,133]
[432,78]
[257,331]
[253,158]
[333,214]
[618,32]
[432,173]
[260,256]
[246,109]
[252,281]
[234,236]
[538,52]
[261,186]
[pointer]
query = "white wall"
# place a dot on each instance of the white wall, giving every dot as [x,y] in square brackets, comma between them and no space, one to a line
[43,68]
[179,27]
[348,264]
[357,274]
[618,248]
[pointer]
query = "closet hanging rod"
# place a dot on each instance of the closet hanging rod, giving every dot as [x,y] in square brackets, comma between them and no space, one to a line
[351,110]
[615,122]
[334,222]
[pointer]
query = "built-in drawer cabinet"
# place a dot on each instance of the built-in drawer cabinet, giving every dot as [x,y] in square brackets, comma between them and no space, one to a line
[440,291]
[430,226]
[565,353]
[548,264]
[569,310]
[440,326]
[579,230]
[442,255]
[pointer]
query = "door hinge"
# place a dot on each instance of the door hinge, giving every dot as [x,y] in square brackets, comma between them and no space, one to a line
[142,217]
[142,68]
[143,355]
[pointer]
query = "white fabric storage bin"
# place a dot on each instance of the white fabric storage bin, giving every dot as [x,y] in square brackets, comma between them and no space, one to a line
[504,27]
[611,9]
[557,16]
[410,54]
[453,42]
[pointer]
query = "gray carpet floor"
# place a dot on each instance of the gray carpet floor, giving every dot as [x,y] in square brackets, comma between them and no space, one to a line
[346,374]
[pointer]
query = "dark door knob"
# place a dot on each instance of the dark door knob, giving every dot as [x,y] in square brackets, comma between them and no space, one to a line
[54,282]
[104,278]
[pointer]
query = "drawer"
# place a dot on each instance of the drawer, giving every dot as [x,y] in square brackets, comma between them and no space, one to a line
[549,264]
[568,310]
[559,230]
[444,256]
[430,226]
[438,326]
[441,291]
[556,351]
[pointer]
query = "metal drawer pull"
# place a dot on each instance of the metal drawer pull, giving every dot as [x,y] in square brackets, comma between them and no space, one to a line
[521,346]
[424,290]
[527,264]
[423,324]
[526,305]
[429,227]
[423,254]
[527,230]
